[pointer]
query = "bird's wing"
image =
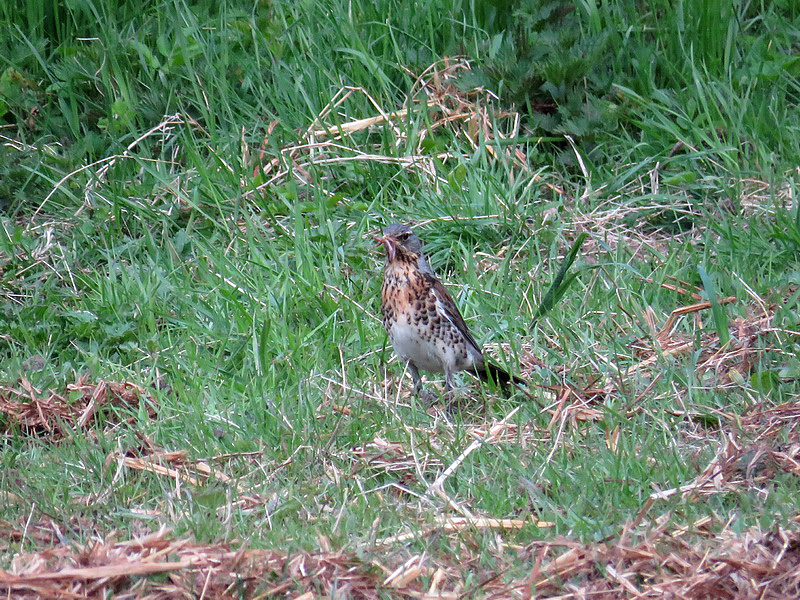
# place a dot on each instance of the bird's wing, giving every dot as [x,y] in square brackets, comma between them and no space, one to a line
[448,309]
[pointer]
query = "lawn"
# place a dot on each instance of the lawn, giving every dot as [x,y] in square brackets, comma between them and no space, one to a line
[197,395]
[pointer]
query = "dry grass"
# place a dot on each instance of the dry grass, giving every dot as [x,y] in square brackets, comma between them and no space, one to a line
[329,141]
[125,568]
[664,565]
[645,229]
[686,563]
[54,415]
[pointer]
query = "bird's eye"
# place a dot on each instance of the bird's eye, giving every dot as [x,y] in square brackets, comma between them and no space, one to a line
[405,235]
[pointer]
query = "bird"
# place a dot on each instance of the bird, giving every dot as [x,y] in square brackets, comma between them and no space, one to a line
[424,324]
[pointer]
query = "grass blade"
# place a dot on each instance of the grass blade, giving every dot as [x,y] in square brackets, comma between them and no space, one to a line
[720,318]
[561,283]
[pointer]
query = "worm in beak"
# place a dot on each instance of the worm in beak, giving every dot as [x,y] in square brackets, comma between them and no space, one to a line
[391,250]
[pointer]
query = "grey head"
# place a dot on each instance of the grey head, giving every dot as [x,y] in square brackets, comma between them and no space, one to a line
[410,240]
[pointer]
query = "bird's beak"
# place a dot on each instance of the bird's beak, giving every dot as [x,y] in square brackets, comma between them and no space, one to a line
[391,250]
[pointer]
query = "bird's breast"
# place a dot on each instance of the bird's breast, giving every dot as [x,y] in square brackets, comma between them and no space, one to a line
[416,329]
[397,296]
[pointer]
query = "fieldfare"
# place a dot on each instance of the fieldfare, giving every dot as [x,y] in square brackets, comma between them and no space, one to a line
[423,322]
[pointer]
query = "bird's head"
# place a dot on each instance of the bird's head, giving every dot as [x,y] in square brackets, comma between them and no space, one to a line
[400,242]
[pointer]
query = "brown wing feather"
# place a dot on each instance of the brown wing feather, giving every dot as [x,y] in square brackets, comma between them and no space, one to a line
[448,306]
[451,310]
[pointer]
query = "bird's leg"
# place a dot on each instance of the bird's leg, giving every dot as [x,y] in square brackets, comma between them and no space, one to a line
[448,380]
[449,387]
[424,395]
[450,395]
[414,372]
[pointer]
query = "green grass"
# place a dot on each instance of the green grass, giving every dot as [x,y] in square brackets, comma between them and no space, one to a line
[247,313]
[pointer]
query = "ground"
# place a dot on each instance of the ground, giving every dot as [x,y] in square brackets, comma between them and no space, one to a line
[197,395]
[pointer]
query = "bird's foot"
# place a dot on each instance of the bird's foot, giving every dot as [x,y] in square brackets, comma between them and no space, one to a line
[453,399]
[427,396]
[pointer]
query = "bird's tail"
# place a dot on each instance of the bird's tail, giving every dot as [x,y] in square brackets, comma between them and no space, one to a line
[498,375]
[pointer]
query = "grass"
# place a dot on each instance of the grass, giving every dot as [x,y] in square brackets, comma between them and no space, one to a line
[169,221]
